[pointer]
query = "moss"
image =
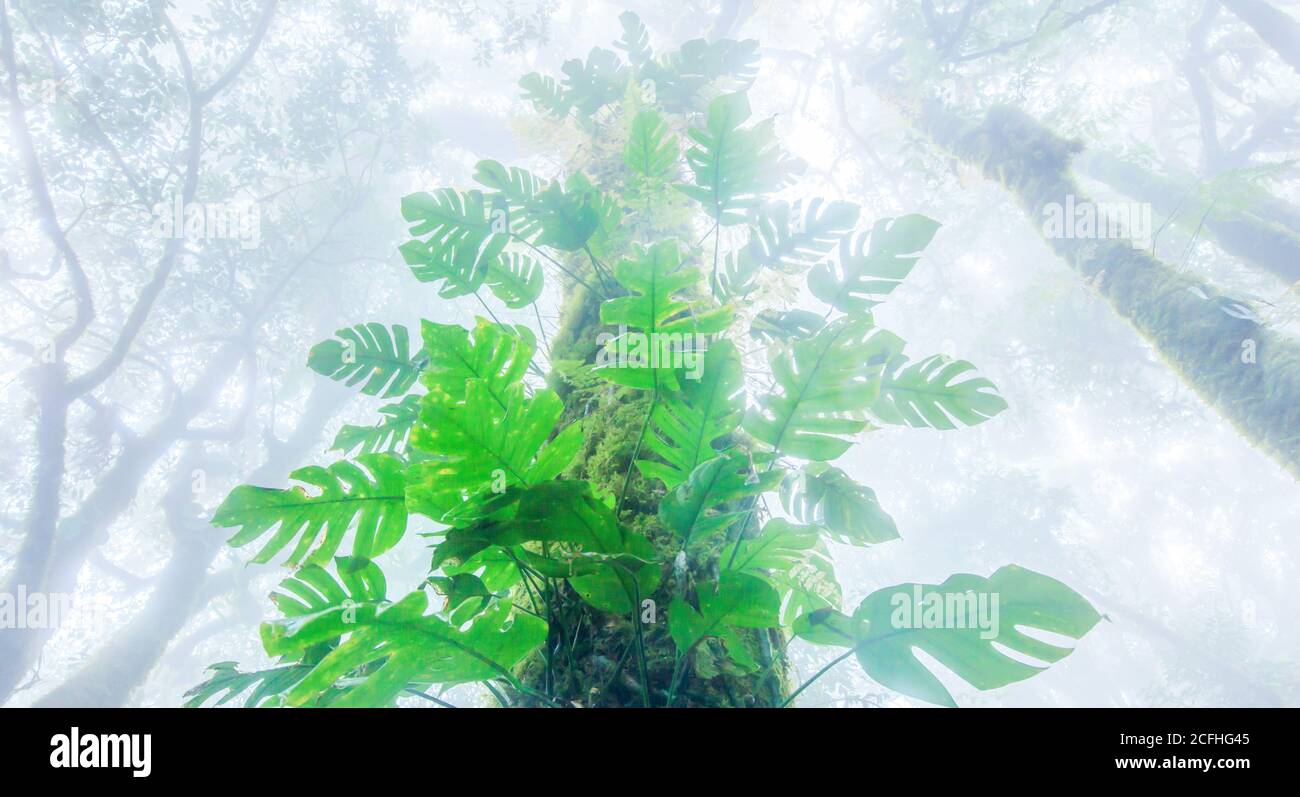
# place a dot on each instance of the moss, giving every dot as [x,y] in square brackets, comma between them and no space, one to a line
[1187,321]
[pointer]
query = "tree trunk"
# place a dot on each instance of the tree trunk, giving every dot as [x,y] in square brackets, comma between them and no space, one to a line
[1248,373]
[1278,30]
[604,669]
[1240,233]
[109,677]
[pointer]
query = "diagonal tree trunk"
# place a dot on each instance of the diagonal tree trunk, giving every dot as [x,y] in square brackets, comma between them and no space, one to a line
[109,677]
[1240,233]
[1278,29]
[1247,372]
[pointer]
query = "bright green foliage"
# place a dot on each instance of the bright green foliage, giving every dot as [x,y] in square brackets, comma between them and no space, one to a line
[463,239]
[822,386]
[651,149]
[369,353]
[370,491]
[890,623]
[685,425]
[707,504]
[515,279]
[868,272]
[794,560]
[736,600]
[544,574]
[735,166]
[406,646]
[496,355]
[226,678]
[928,393]
[480,444]
[387,436]
[655,319]
[848,511]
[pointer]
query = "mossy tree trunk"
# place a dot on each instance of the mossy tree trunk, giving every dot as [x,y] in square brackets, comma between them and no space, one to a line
[1240,233]
[599,666]
[1248,373]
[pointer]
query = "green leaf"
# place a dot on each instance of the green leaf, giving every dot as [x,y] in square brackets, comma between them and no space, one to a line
[866,274]
[464,239]
[685,426]
[651,149]
[369,353]
[482,445]
[563,216]
[594,83]
[271,684]
[705,505]
[565,512]
[786,325]
[387,436]
[371,491]
[822,386]
[655,325]
[849,511]
[680,78]
[498,355]
[927,393]
[515,279]
[964,623]
[400,645]
[794,560]
[791,238]
[545,94]
[735,600]
[735,167]
[635,40]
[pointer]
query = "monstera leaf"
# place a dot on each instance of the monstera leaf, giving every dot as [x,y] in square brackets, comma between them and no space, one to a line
[706,505]
[849,512]
[651,149]
[736,600]
[635,40]
[928,393]
[481,445]
[786,325]
[866,274]
[463,239]
[654,324]
[226,680]
[560,215]
[607,565]
[965,623]
[793,237]
[387,436]
[597,81]
[498,355]
[794,560]
[515,279]
[735,167]
[316,606]
[680,78]
[400,645]
[823,384]
[369,353]
[370,491]
[685,425]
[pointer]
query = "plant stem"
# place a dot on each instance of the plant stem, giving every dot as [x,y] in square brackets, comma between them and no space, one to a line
[636,451]
[429,697]
[819,674]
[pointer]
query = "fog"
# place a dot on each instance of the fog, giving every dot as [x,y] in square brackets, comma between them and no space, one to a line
[152,366]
